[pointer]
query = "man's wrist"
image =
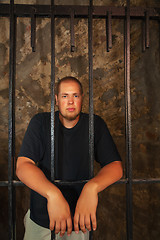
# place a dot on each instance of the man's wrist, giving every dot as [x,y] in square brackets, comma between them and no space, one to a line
[53,191]
[92,185]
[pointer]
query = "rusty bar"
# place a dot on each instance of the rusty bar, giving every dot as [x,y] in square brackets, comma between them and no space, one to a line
[53,235]
[72,31]
[121,181]
[91,109]
[33,31]
[147,28]
[11,126]
[143,37]
[159,38]
[129,214]
[52,88]
[52,98]
[25,10]
[109,30]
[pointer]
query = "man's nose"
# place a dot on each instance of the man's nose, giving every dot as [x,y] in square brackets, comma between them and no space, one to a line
[70,100]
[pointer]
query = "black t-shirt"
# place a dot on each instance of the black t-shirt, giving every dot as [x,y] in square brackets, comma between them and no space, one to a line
[71,156]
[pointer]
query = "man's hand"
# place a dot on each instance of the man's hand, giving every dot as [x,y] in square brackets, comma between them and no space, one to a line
[58,208]
[85,212]
[59,214]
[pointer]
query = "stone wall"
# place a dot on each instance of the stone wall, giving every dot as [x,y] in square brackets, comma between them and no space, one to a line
[33,96]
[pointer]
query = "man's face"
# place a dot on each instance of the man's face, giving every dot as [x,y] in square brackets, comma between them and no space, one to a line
[69,100]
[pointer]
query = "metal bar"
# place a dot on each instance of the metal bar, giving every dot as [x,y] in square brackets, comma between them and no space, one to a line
[25,10]
[109,30]
[159,37]
[72,31]
[33,31]
[59,182]
[147,28]
[129,214]
[52,98]
[11,126]
[143,37]
[52,89]
[53,235]
[91,108]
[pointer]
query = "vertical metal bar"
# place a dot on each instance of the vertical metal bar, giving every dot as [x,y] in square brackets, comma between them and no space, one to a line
[159,37]
[143,37]
[72,31]
[129,214]
[52,87]
[33,31]
[52,97]
[109,30]
[147,28]
[91,109]
[11,125]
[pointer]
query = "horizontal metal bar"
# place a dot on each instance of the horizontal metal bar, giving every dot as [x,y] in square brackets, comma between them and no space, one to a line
[25,10]
[122,181]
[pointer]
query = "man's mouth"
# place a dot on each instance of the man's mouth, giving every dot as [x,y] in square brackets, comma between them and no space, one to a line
[71,109]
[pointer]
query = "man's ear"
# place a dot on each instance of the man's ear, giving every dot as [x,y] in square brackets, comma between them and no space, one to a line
[56,100]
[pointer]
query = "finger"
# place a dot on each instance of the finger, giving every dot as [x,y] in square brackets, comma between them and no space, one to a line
[76,223]
[87,222]
[82,226]
[63,228]
[51,226]
[69,226]
[57,227]
[94,221]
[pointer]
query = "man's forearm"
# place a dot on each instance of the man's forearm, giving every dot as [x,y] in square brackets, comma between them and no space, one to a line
[108,175]
[57,206]
[85,212]
[34,178]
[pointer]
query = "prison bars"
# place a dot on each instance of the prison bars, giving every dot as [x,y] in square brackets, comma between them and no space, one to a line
[11,125]
[27,10]
[91,110]
[129,214]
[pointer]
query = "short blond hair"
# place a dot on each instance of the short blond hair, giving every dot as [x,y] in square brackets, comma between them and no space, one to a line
[66,79]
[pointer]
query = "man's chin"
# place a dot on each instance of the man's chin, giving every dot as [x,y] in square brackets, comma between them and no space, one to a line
[70,117]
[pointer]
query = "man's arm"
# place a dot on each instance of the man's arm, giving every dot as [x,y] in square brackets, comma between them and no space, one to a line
[58,208]
[85,212]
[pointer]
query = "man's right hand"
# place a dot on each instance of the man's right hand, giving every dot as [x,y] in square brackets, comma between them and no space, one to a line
[59,213]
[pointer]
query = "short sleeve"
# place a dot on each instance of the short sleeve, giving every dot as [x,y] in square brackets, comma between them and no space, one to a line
[105,148]
[32,145]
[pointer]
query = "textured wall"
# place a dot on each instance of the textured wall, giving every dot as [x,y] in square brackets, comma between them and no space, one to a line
[33,95]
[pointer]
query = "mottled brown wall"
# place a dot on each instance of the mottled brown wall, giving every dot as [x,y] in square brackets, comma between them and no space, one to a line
[33,95]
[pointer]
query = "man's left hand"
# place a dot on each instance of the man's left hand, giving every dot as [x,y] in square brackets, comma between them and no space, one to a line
[85,213]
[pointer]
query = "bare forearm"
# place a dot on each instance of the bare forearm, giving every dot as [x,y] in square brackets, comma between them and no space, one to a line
[88,200]
[34,178]
[108,175]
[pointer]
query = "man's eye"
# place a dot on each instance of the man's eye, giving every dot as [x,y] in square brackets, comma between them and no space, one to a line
[64,96]
[76,96]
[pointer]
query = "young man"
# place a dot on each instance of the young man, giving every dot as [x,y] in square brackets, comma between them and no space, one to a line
[65,208]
